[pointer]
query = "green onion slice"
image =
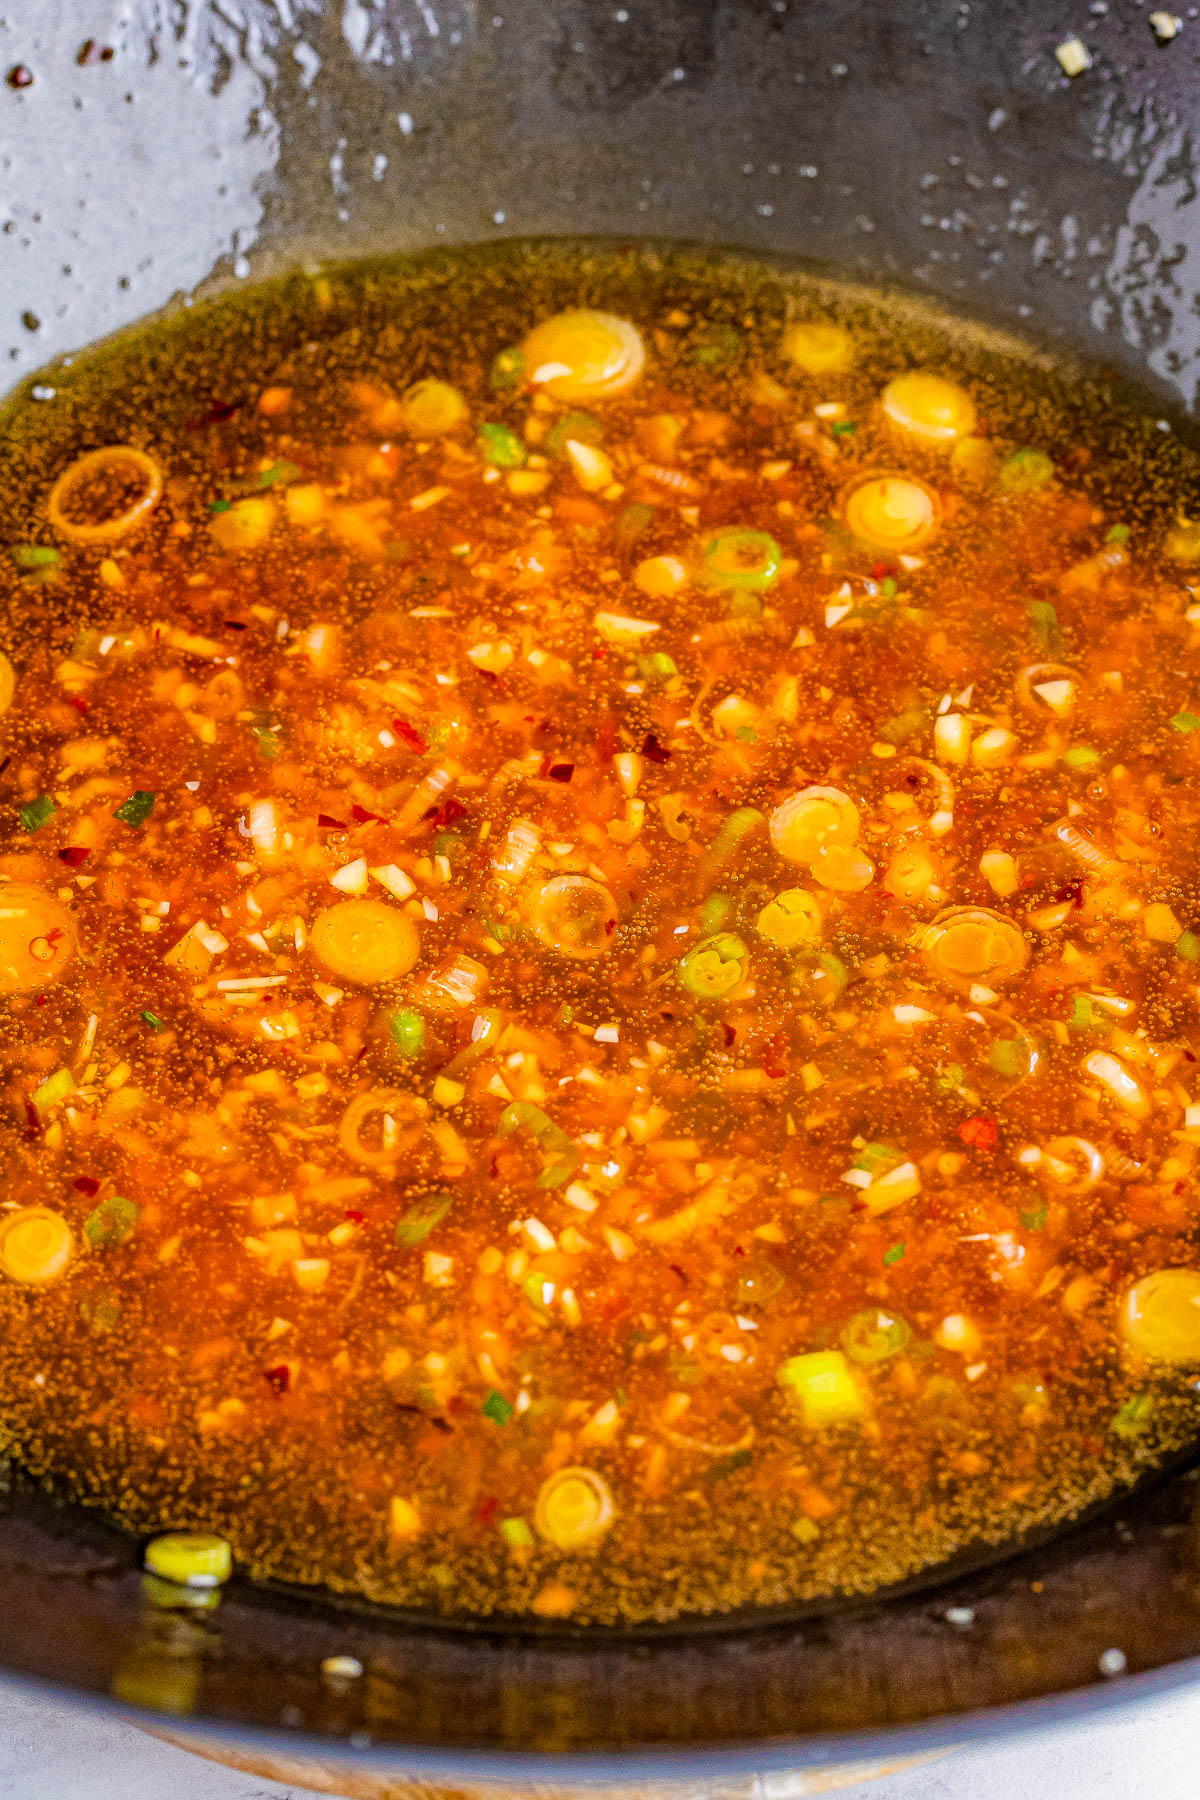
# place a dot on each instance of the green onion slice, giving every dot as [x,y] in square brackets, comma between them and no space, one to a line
[417,1223]
[740,557]
[716,968]
[874,1335]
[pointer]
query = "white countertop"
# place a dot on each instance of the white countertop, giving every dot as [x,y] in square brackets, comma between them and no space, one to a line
[51,1751]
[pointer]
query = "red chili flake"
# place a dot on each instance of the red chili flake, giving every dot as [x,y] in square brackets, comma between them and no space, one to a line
[881,570]
[447,814]
[78,702]
[676,1270]
[979,1134]
[330,824]
[361,816]
[90,53]
[86,1184]
[730,1034]
[235,624]
[558,771]
[657,753]
[1071,890]
[408,734]
[74,854]
[33,1122]
[774,1052]
[356,1218]
[599,654]
[487,1509]
[218,412]
[19,76]
[279,1379]
[4,764]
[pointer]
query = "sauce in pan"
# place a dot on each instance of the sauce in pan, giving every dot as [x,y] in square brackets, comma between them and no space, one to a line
[599,936]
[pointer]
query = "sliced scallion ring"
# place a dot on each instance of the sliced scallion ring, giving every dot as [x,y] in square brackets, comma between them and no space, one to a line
[874,1335]
[715,968]
[740,557]
[891,512]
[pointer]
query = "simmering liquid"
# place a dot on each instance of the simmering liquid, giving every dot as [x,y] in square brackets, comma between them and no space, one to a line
[599,935]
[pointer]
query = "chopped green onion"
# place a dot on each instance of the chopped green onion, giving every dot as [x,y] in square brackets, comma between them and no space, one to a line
[582,427]
[1011,1056]
[1187,945]
[742,605]
[1186,721]
[657,667]
[633,522]
[1025,471]
[35,556]
[152,1020]
[906,724]
[714,912]
[1035,1218]
[278,471]
[740,557]
[112,1223]
[887,587]
[137,809]
[1044,619]
[516,1534]
[833,970]
[508,369]
[759,1284]
[716,346]
[876,1159]
[737,826]
[501,447]
[220,506]
[407,1032]
[874,1335]
[484,1032]
[745,734]
[893,1256]
[548,1136]
[189,1558]
[417,1223]
[951,1077]
[34,814]
[1117,534]
[1083,1013]
[845,428]
[265,727]
[1133,1418]
[56,1087]
[534,1289]
[496,1408]
[715,968]
[1081,756]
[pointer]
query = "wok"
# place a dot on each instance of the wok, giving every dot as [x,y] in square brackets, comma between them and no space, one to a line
[938,147]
